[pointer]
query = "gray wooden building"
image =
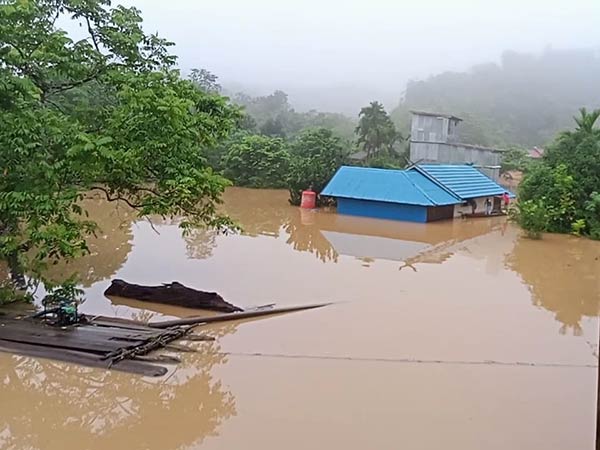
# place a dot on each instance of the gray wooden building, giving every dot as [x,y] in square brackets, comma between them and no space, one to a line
[434,140]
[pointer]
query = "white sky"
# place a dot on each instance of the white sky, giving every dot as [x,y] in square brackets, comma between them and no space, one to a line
[375,44]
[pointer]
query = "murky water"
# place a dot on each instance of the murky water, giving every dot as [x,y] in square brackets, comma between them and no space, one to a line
[457,335]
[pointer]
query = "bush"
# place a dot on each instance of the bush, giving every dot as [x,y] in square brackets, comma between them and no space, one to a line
[565,183]
[555,189]
[257,161]
[532,216]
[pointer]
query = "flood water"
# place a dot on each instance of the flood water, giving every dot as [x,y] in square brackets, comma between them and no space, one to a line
[455,335]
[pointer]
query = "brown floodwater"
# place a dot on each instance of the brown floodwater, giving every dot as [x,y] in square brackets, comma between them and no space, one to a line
[457,335]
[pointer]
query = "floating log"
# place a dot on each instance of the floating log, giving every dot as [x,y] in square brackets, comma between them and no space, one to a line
[173,293]
[195,320]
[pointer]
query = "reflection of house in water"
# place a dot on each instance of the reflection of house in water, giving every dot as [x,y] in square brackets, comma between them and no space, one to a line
[411,243]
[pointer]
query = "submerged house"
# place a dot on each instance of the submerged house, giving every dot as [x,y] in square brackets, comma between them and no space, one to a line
[465,182]
[423,193]
[390,194]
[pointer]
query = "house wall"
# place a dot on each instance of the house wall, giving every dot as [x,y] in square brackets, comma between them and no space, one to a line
[382,210]
[440,213]
[428,128]
[443,153]
[460,209]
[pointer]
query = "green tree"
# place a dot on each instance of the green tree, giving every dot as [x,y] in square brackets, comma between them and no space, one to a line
[315,156]
[205,81]
[515,158]
[257,161]
[586,121]
[106,113]
[567,180]
[376,131]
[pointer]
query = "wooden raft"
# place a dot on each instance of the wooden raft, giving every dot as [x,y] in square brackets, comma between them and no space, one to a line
[114,343]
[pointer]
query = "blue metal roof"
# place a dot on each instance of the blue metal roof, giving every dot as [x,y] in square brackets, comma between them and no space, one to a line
[463,180]
[392,186]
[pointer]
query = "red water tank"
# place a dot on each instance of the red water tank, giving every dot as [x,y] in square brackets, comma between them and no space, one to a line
[309,199]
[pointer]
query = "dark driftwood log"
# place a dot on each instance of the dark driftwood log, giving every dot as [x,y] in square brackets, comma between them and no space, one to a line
[171,294]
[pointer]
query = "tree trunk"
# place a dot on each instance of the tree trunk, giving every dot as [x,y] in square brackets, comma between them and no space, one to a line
[17,276]
[171,294]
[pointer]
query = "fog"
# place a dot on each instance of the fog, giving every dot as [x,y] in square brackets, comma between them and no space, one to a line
[336,55]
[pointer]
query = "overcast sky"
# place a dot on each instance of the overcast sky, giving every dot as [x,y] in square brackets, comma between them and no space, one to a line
[374,45]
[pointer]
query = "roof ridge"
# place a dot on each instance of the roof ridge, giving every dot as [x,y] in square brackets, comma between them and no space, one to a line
[433,179]
[405,173]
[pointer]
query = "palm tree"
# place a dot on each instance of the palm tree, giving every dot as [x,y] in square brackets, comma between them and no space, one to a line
[585,122]
[375,129]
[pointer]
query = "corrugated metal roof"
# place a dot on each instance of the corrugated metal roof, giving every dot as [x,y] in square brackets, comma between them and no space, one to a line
[463,180]
[392,186]
[434,114]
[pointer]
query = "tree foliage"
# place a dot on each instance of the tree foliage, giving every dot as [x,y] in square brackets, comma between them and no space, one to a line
[315,156]
[376,132]
[107,112]
[567,181]
[515,158]
[257,161]
[274,116]
[205,81]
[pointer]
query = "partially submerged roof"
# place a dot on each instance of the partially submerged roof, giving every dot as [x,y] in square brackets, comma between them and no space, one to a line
[434,114]
[463,180]
[391,186]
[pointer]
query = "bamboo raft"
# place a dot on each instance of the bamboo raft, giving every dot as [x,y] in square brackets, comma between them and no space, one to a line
[114,343]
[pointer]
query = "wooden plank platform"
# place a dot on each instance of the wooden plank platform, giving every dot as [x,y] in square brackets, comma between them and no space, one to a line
[90,344]
[114,343]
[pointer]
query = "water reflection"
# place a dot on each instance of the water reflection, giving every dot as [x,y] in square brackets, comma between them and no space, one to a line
[327,235]
[108,250]
[50,405]
[563,274]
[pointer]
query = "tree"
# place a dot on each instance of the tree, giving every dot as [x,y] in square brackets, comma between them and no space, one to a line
[376,132]
[315,156]
[566,182]
[205,81]
[515,158]
[586,121]
[105,113]
[257,161]
[273,127]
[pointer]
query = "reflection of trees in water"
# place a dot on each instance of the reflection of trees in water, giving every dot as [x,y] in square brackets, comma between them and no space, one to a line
[108,250]
[260,212]
[308,238]
[563,276]
[200,243]
[264,212]
[55,405]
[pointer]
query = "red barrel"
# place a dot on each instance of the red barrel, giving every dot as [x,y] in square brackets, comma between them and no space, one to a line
[309,199]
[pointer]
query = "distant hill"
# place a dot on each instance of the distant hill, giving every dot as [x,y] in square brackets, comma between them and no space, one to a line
[525,100]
